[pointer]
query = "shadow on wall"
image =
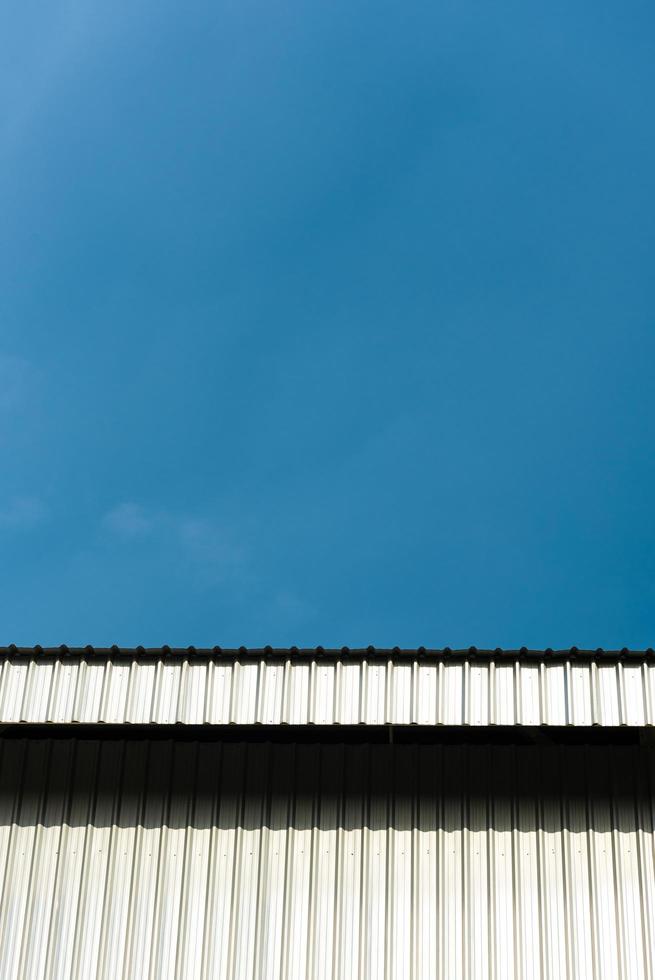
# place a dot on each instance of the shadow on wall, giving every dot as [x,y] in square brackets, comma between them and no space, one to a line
[251,786]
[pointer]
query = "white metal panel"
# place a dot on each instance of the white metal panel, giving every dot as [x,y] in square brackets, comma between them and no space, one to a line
[503,708]
[529,680]
[194,685]
[322,691]
[118,908]
[37,694]
[477,701]
[375,685]
[71,863]
[166,694]
[117,676]
[220,691]
[221,912]
[349,686]
[501,867]
[243,704]
[555,686]
[452,698]
[322,700]
[449,827]
[633,692]
[17,890]
[580,695]
[90,683]
[271,695]
[295,951]
[65,680]
[400,700]
[140,697]
[297,683]
[13,681]
[607,679]
[427,694]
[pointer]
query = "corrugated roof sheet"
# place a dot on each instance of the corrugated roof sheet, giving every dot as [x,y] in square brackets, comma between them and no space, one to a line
[195,861]
[547,653]
[331,688]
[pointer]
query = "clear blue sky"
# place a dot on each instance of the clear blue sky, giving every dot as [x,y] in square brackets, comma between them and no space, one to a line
[327,323]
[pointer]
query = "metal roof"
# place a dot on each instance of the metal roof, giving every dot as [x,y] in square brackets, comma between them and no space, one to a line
[122,860]
[546,653]
[326,687]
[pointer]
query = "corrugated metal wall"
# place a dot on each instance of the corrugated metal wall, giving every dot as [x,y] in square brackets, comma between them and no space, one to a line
[160,860]
[325,692]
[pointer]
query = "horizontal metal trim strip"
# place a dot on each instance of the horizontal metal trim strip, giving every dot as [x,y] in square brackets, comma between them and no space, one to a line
[336,734]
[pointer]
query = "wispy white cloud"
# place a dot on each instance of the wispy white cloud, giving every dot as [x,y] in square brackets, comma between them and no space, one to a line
[206,541]
[214,558]
[201,541]
[129,520]
[290,608]
[18,377]
[22,513]
[53,48]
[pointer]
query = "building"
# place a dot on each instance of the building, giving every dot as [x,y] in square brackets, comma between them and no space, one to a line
[352,814]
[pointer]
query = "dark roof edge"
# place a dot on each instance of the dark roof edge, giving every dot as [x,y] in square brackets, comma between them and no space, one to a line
[332,653]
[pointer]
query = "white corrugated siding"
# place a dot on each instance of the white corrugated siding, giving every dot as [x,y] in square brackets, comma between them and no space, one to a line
[195,861]
[326,692]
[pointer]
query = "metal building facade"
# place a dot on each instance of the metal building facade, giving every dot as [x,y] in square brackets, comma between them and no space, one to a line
[195,860]
[195,857]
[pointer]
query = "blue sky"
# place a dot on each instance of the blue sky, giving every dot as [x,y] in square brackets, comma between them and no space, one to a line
[327,323]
